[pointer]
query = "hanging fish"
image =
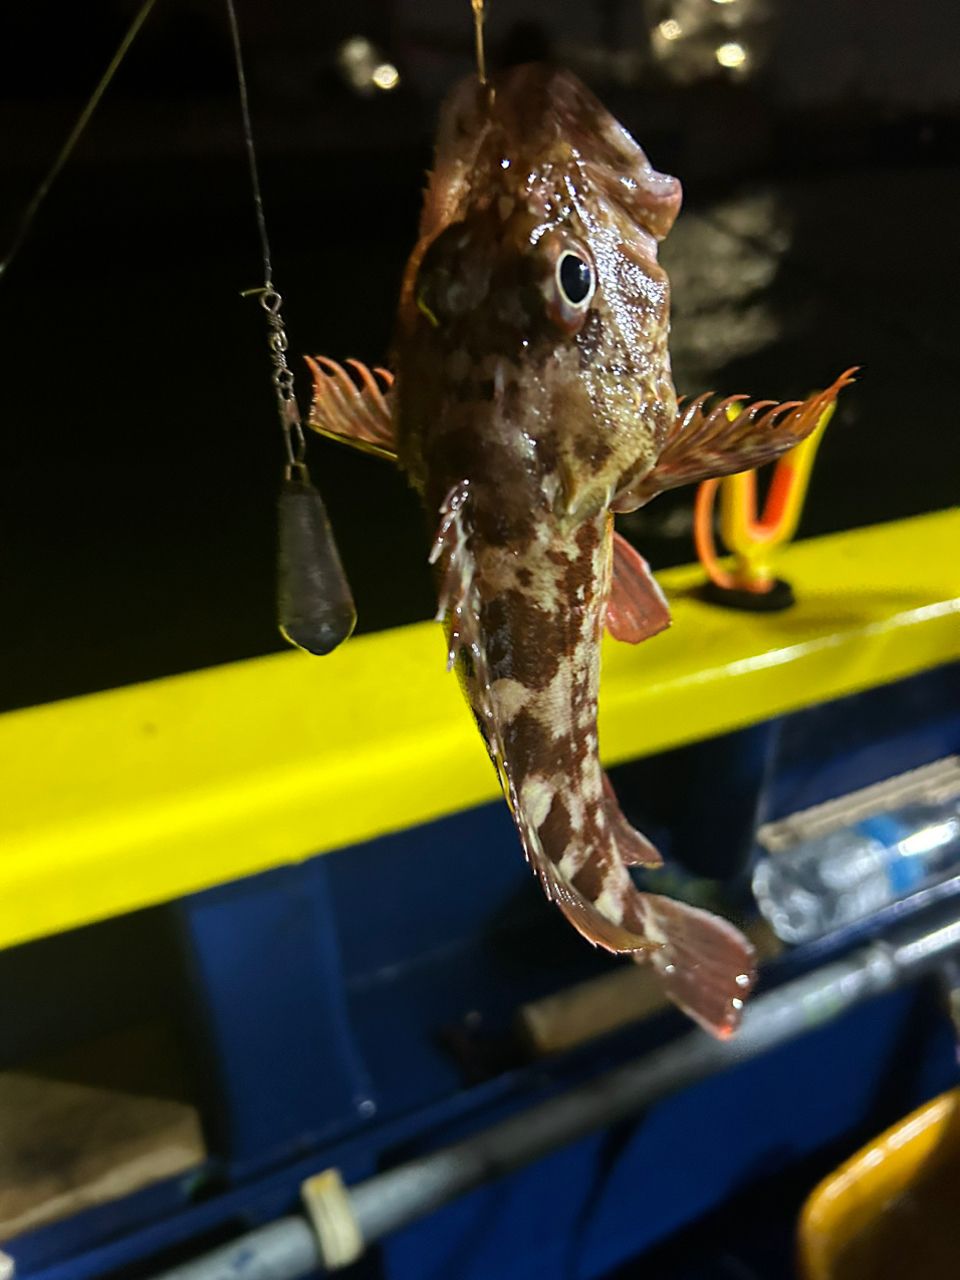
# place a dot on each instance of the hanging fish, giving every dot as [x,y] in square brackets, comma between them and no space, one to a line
[533,398]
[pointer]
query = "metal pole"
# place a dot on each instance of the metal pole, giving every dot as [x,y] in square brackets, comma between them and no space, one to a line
[393,1199]
[284,1250]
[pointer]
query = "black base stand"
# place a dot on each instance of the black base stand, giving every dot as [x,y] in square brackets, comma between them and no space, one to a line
[780,596]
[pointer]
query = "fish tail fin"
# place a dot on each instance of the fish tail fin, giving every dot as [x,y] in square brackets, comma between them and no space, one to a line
[706,966]
[703,963]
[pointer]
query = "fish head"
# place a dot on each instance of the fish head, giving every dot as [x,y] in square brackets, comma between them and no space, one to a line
[532,340]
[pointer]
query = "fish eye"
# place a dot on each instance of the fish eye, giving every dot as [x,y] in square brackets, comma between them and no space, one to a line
[575,279]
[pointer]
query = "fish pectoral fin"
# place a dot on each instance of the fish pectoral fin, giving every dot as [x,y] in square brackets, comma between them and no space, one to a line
[732,436]
[637,609]
[633,847]
[705,965]
[356,415]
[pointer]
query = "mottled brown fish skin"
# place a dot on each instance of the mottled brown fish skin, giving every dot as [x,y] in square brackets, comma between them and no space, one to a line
[519,418]
[532,398]
[543,421]
[543,650]
[489,385]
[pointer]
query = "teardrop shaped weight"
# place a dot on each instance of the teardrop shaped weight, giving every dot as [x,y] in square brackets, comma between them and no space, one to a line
[315,609]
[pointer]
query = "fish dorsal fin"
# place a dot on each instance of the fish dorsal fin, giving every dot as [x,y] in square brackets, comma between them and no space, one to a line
[356,415]
[590,924]
[632,845]
[456,602]
[583,915]
[637,609]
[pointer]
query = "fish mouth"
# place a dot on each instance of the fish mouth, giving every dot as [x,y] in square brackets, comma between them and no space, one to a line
[538,112]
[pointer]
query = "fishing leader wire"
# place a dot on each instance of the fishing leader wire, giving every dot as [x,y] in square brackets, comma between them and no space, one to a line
[315,609]
[478,19]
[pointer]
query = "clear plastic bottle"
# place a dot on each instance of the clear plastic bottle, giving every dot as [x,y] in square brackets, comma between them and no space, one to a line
[820,884]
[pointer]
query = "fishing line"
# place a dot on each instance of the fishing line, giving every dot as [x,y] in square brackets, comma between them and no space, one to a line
[315,609]
[478,16]
[30,213]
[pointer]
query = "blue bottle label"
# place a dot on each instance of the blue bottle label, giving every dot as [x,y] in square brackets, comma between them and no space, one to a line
[904,873]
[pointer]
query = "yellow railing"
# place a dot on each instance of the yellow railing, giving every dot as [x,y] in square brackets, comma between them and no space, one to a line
[122,799]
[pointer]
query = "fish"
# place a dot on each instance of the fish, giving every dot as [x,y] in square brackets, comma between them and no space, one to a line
[530,400]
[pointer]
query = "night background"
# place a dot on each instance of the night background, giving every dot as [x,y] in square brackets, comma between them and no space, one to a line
[140,450]
[308,1001]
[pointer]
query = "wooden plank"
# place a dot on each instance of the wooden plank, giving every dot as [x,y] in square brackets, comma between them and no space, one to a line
[88,1127]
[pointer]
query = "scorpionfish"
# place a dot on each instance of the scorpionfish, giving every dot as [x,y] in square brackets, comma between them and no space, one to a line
[531,399]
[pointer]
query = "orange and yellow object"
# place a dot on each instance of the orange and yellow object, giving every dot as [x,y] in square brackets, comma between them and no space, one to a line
[890,1210]
[754,539]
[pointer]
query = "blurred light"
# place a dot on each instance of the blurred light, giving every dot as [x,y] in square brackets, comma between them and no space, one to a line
[355,50]
[930,838]
[364,67]
[724,1]
[670,29]
[731,55]
[385,76]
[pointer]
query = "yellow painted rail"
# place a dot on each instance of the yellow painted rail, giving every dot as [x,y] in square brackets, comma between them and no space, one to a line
[139,795]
